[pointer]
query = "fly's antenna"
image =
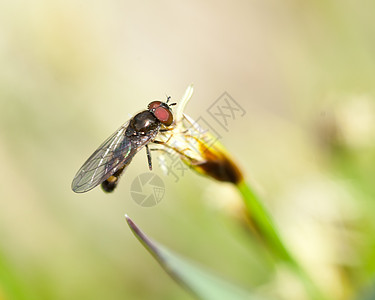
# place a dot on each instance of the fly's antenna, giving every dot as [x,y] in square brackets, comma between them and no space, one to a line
[169,98]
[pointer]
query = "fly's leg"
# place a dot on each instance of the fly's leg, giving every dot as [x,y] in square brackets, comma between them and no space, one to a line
[156,149]
[169,168]
[149,158]
[181,152]
[168,139]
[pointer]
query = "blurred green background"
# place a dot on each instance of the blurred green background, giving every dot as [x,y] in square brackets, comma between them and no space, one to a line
[73,71]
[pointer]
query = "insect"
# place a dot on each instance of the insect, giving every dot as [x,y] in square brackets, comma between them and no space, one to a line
[110,160]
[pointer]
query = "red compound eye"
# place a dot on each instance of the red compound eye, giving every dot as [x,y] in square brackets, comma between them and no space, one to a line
[164,115]
[154,104]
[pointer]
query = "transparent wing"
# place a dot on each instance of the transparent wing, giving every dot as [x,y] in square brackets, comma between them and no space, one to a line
[115,152]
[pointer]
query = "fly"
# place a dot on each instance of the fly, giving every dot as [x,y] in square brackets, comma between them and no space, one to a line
[110,160]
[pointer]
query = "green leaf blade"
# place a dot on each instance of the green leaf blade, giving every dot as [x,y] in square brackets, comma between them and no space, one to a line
[197,279]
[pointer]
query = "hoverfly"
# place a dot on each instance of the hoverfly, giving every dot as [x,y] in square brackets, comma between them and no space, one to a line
[110,160]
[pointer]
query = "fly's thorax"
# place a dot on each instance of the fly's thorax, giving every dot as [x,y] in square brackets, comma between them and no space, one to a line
[144,122]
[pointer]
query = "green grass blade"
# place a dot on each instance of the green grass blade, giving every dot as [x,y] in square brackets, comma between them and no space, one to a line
[201,282]
[266,231]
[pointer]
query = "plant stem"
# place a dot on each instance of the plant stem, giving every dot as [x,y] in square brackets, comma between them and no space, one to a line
[266,230]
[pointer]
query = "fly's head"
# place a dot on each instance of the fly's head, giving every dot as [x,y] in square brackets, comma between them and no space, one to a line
[162,111]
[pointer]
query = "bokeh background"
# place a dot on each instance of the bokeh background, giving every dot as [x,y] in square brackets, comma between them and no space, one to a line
[73,71]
